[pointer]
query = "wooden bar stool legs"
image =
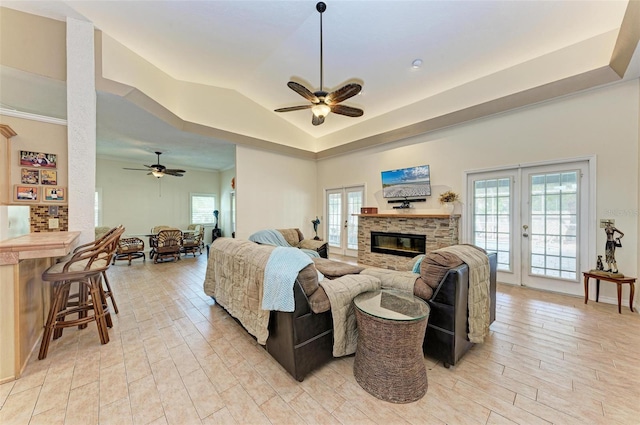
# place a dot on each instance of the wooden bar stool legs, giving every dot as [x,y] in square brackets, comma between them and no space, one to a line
[95,300]
[109,292]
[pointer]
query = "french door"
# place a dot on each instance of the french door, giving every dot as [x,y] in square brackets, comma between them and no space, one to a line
[342,224]
[536,219]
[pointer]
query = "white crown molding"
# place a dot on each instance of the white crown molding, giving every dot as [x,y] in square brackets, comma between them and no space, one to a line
[32,117]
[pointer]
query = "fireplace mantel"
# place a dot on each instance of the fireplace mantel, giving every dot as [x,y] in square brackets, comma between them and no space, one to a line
[409,215]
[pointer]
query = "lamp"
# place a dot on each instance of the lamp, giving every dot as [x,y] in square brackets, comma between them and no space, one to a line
[321,110]
[157,174]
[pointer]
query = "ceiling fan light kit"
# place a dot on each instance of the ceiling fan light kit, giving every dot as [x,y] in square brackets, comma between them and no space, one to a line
[322,102]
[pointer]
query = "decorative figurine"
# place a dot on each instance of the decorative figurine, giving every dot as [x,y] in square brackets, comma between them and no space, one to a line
[315,223]
[610,247]
[599,265]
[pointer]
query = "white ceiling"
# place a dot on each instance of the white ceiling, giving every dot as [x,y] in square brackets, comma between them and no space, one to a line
[255,47]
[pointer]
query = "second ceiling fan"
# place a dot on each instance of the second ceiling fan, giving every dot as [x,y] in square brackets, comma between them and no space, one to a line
[323,102]
[158,170]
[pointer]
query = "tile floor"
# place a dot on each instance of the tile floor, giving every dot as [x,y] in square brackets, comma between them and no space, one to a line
[176,358]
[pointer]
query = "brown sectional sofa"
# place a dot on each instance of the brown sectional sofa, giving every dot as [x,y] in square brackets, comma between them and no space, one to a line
[302,340]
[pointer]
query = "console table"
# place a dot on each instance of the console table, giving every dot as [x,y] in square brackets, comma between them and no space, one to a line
[619,281]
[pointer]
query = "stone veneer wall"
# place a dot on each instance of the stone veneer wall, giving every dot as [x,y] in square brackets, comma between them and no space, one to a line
[40,218]
[440,231]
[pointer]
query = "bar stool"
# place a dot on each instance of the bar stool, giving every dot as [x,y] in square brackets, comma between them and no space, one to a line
[86,268]
[83,248]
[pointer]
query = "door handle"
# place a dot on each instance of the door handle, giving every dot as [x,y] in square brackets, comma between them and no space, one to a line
[525,234]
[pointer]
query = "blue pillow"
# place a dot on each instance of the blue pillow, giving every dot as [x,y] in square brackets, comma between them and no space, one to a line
[416,266]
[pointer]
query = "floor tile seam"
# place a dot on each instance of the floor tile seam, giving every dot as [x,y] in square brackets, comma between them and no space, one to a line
[532,338]
[105,406]
[472,384]
[563,397]
[537,382]
[318,399]
[437,413]
[579,419]
[498,378]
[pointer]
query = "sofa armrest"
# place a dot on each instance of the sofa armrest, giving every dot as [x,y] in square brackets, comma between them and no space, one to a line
[321,247]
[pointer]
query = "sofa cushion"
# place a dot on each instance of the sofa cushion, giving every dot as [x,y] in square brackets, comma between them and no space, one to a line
[292,236]
[435,265]
[319,301]
[308,278]
[334,269]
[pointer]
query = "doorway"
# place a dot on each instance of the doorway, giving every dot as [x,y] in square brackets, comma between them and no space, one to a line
[537,219]
[342,205]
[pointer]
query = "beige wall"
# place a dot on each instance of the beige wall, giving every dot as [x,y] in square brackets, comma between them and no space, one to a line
[139,201]
[602,122]
[274,191]
[34,44]
[37,136]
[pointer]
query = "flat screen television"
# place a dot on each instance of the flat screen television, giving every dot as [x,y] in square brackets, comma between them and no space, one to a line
[412,182]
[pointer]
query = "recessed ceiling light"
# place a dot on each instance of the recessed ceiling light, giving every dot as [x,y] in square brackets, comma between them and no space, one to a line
[416,64]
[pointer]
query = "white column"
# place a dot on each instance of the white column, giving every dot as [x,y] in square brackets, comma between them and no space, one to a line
[81,127]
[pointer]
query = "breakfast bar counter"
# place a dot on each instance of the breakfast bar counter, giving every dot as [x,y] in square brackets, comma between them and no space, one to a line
[24,299]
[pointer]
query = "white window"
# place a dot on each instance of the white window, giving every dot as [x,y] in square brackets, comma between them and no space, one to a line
[202,207]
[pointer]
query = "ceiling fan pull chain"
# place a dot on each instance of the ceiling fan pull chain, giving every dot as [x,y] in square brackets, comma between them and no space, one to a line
[321,7]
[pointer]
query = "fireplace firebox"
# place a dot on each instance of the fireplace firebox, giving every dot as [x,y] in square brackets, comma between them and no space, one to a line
[401,244]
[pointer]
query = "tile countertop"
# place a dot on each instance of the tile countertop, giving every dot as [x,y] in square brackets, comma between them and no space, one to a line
[37,245]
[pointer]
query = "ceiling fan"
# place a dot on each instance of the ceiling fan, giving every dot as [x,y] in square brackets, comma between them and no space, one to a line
[158,170]
[322,102]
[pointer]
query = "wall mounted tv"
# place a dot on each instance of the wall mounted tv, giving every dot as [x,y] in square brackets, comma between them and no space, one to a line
[412,182]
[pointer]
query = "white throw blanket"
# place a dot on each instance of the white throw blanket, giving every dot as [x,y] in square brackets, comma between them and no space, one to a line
[279,277]
[341,292]
[479,291]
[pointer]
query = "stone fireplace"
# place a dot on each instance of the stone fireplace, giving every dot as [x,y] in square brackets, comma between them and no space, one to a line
[437,231]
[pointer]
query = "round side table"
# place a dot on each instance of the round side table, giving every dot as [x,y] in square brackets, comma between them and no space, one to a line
[389,362]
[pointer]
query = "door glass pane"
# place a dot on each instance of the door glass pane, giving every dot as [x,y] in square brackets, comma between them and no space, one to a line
[354,203]
[554,218]
[334,223]
[492,218]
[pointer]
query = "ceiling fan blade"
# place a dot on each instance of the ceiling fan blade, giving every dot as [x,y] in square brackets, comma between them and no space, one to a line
[293,108]
[303,91]
[317,120]
[136,169]
[347,110]
[173,173]
[173,170]
[343,93]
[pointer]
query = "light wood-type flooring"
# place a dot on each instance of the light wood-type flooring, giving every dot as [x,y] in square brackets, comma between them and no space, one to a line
[175,357]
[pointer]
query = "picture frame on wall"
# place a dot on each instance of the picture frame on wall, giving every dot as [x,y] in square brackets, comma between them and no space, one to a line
[29,176]
[38,159]
[26,193]
[49,177]
[54,194]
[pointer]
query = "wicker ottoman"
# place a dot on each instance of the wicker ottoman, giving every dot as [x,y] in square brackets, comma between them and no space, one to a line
[389,362]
